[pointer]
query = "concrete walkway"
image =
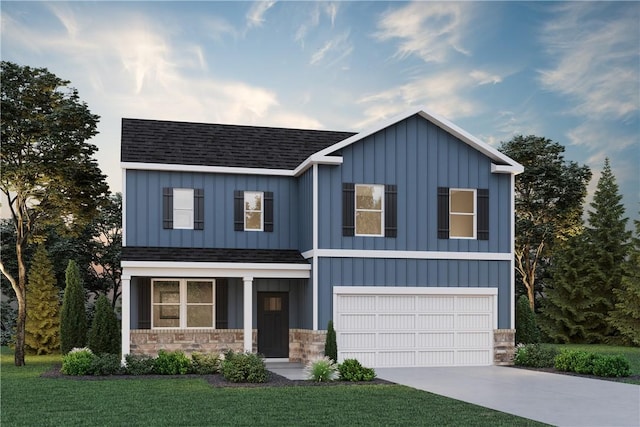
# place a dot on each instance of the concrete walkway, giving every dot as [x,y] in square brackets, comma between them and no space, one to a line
[561,400]
[556,399]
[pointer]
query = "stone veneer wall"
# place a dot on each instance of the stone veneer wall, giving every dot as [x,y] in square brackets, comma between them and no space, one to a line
[150,341]
[305,344]
[504,346]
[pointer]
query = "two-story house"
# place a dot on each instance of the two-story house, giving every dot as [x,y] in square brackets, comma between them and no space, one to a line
[253,238]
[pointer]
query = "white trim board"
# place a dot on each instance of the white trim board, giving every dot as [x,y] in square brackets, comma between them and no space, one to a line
[426,255]
[410,290]
[212,269]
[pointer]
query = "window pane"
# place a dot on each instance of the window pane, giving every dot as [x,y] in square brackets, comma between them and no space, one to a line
[369,196]
[183,198]
[166,316]
[462,201]
[199,316]
[166,292]
[252,201]
[199,292]
[369,223]
[183,219]
[461,226]
[253,220]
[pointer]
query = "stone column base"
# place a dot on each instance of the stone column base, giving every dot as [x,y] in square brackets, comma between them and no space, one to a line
[504,347]
[150,341]
[306,345]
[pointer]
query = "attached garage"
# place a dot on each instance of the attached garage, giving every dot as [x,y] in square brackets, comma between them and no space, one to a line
[411,326]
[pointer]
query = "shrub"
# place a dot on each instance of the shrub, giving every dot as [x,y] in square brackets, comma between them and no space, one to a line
[321,370]
[205,364]
[139,364]
[330,345]
[527,331]
[73,318]
[577,361]
[104,336]
[106,364]
[78,361]
[352,370]
[244,367]
[171,363]
[535,356]
[611,366]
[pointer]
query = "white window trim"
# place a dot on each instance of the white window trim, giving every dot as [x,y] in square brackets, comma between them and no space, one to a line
[355,211]
[183,302]
[188,209]
[474,214]
[261,193]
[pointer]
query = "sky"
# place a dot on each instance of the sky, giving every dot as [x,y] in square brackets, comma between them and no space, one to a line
[568,71]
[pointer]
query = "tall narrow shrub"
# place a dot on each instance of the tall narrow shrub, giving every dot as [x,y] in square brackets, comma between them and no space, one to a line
[42,328]
[104,336]
[526,327]
[331,346]
[73,320]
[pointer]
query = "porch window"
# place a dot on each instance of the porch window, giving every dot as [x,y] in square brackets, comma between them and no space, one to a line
[182,303]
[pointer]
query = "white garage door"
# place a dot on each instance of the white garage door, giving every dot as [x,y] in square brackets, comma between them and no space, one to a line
[409,326]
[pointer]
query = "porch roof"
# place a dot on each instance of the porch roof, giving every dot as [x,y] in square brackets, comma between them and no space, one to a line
[213,255]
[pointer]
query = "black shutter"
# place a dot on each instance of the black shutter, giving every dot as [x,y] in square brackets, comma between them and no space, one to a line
[268,211]
[390,211]
[483,214]
[348,209]
[167,207]
[222,304]
[198,209]
[238,210]
[443,212]
[144,303]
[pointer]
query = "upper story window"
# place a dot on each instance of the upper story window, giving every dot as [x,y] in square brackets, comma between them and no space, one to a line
[369,209]
[253,210]
[462,214]
[182,303]
[183,208]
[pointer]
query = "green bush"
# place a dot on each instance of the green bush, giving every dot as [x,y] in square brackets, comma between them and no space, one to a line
[330,345]
[527,331]
[535,356]
[78,361]
[106,364]
[171,363]
[205,364]
[577,361]
[244,367]
[352,370]
[73,318]
[321,370]
[104,336]
[611,366]
[139,364]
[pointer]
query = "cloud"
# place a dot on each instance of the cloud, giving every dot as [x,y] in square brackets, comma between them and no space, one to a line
[596,59]
[315,14]
[255,16]
[430,31]
[483,77]
[337,49]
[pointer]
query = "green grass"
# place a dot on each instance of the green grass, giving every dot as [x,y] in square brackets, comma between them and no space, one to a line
[28,399]
[631,353]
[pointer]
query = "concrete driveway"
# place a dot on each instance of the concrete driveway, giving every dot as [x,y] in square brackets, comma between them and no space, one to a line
[556,399]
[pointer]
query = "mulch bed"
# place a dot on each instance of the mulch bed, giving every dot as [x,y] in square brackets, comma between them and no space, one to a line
[215,380]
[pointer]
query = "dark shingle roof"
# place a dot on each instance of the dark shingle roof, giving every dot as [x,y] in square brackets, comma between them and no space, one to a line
[201,144]
[279,256]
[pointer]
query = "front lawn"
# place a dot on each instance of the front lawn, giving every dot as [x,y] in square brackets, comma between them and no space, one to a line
[28,399]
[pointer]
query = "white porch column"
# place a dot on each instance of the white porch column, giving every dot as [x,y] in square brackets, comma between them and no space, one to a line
[248,313]
[126,314]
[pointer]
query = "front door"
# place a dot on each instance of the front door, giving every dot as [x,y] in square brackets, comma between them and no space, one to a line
[273,324]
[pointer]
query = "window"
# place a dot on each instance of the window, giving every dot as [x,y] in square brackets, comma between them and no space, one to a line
[462,214]
[183,208]
[182,303]
[369,206]
[253,210]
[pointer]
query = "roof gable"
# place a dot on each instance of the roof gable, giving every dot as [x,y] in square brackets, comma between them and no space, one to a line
[201,144]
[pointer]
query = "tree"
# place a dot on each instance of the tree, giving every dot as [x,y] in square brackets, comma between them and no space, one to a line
[526,327]
[48,172]
[42,328]
[104,336]
[330,346]
[608,238]
[625,316]
[73,321]
[549,199]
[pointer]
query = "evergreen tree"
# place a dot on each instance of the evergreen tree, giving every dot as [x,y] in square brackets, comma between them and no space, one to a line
[73,321]
[526,327]
[565,312]
[608,238]
[331,346]
[104,336]
[42,328]
[625,317]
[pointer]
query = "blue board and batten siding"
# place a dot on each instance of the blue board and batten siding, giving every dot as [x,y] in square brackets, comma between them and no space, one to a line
[144,210]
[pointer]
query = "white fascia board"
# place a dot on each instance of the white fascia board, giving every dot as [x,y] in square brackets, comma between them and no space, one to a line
[204,169]
[427,255]
[514,170]
[214,269]
[315,159]
[411,290]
